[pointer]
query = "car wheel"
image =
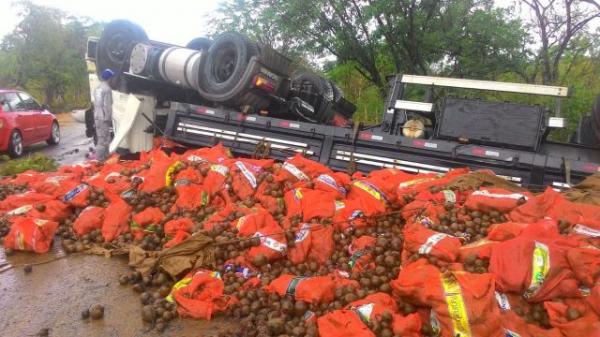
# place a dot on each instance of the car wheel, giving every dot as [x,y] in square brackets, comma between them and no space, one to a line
[15,146]
[54,134]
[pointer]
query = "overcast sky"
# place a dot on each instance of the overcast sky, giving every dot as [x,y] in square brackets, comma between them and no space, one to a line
[174,21]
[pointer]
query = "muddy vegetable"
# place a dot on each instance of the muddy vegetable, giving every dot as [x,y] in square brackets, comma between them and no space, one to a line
[96,311]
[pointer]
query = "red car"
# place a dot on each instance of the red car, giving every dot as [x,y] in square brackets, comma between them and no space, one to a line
[24,122]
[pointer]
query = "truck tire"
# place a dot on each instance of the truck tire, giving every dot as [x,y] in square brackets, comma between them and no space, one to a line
[199,43]
[316,91]
[115,45]
[226,63]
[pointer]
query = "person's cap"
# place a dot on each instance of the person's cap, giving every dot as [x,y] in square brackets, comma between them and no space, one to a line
[106,74]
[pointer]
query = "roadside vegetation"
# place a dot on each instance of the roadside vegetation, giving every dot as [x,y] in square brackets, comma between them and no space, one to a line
[37,162]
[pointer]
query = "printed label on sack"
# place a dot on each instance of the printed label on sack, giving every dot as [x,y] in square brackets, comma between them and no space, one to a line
[181,182]
[220,169]
[410,183]
[196,159]
[128,194]
[328,180]
[20,210]
[456,306]
[449,196]
[502,301]
[370,189]
[355,214]
[171,171]
[55,180]
[296,172]
[586,231]
[74,192]
[436,327]
[339,205]
[365,311]
[355,256]
[297,193]
[291,289]
[111,175]
[432,241]
[302,233]
[510,333]
[270,242]
[309,316]
[539,268]
[238,270]
[486,193]
[249,176]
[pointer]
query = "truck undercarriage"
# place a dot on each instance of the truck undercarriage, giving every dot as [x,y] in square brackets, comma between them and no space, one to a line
[246,96]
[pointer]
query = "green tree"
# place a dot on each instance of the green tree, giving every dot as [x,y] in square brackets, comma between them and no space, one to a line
[380,37]
[45,55]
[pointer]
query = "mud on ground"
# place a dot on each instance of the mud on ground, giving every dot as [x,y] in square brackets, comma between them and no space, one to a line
[53,295]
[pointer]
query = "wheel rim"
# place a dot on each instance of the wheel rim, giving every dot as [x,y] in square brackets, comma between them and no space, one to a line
[225,63]
[17,143]
[55,133]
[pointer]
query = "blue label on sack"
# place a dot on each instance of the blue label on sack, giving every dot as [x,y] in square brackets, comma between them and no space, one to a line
[74,192]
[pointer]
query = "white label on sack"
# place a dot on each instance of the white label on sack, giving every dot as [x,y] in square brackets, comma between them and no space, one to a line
[432,241]
[302,233]
[502,301]
[249,176]
[365,311]
[271,243]
[328,180]
[112,174]
[220,169]
[39,223]
[55,180]
[510,333]
[196,159]
[435,323]
[449,196]
[586,231]
[296,172]
[339,205]
[486,193]
[20,210]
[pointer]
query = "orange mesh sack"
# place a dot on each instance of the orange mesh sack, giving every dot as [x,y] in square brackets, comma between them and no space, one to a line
[201,295]
[318,289]
[146,222]
[538,270]
[420,240]
[498,199]
[30,234]
[116,220]
[89,219]
[463,304]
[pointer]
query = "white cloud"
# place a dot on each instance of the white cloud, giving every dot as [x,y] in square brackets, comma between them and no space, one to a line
[172,21]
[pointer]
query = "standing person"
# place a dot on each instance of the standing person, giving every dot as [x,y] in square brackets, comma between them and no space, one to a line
[103,113]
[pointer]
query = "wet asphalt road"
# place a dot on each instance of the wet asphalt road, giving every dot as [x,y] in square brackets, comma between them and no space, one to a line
[73,144]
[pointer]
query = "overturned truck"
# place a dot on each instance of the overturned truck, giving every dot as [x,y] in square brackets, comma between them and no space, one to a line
[250,98]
